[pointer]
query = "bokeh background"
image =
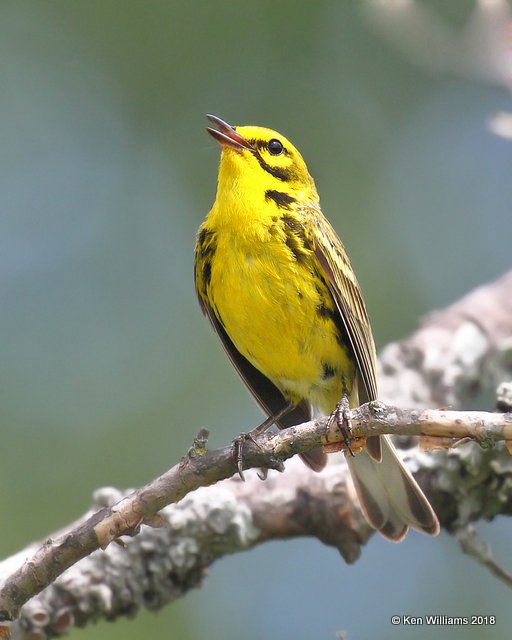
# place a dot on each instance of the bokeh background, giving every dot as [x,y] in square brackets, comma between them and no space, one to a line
[108,369]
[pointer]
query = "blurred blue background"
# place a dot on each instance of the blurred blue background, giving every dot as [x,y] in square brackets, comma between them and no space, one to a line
[108,369]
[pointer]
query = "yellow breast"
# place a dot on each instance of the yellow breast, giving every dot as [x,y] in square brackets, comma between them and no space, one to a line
[278,313]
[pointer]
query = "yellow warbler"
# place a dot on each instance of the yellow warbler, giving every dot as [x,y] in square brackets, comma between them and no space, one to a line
[276,283]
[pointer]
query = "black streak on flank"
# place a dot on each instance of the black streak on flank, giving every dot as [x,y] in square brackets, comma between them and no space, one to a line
[207,272]
[294,238]
[295,247]
[292,225]
[205,238]
[203,234]
[327,371]
[325,312]
[282,199]
[341,332]
[206,247]
[206,244]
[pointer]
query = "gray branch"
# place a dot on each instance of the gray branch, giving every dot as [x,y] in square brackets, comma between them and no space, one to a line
[454,355]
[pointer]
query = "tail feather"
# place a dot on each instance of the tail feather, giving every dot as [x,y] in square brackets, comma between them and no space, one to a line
[315,459]
[391,499]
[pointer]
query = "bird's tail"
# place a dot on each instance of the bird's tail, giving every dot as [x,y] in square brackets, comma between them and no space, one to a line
[390,497]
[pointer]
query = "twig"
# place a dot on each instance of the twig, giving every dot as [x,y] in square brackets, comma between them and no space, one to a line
[472,544]
[455,353]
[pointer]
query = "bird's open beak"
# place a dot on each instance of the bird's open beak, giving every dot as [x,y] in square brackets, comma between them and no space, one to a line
[226,135]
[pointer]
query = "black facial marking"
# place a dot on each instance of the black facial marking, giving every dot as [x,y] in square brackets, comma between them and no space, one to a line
[282,199]
[263,145]
[281,173]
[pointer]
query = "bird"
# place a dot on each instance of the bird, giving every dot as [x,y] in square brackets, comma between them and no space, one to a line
[275,282]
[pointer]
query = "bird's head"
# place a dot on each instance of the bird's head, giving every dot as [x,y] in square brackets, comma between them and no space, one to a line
[257,161]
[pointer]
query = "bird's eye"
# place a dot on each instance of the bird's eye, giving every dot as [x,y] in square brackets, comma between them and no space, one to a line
[275,147]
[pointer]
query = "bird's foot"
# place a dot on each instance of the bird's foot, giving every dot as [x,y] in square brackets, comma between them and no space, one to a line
[342,415]
[237,449]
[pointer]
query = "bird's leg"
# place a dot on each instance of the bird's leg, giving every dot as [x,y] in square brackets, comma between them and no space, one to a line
[238,442]
[343,416]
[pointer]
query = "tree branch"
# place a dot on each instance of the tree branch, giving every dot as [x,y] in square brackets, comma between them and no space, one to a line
[454,354]
[238,515]
[446,356]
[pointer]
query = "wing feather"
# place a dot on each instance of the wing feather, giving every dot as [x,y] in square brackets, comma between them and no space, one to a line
[389,495]
[337,270]
[334,265]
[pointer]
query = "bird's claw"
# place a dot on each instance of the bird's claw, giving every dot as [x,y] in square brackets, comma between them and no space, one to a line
[238,452]
[342,414]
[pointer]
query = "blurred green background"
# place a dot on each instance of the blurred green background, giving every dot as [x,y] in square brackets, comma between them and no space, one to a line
[108,369]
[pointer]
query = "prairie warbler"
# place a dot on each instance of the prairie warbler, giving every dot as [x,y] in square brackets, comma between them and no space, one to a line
[276,283]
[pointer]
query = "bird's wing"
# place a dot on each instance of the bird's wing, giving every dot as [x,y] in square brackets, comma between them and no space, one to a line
[389,495]
[334,267]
